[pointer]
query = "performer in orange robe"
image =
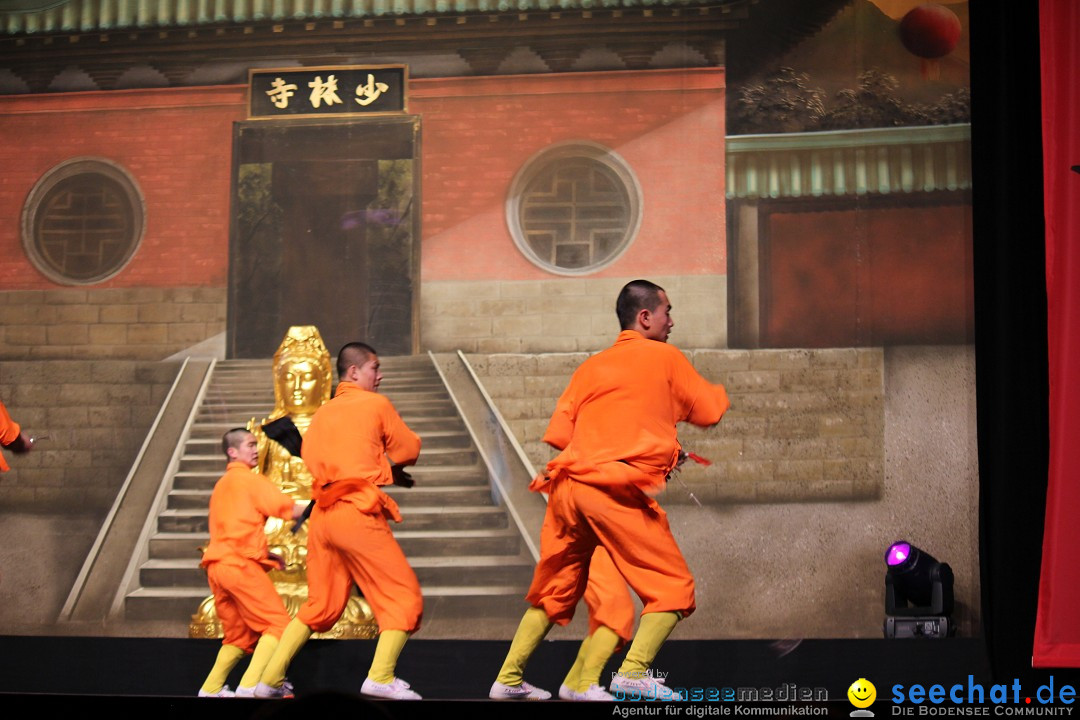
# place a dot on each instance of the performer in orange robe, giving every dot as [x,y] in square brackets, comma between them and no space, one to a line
[611,625]
[346,448]
[237,559]
[11,437]
[617,424]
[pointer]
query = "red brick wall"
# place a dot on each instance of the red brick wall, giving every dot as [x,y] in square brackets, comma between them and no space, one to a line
[175,143]
[476,135]
[478,132]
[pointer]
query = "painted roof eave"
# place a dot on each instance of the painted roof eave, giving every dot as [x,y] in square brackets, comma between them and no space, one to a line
[849,162]
[32,17]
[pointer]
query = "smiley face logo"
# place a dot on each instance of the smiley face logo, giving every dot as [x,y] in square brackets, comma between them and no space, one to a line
[862,693]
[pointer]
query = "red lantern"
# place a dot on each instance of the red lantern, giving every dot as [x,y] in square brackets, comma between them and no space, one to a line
[930,31]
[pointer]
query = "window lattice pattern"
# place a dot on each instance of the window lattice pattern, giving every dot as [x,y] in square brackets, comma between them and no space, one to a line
[83,221]
[575,213]
[85,227]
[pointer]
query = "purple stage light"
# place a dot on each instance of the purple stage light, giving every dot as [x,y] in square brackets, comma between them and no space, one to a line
[898,552]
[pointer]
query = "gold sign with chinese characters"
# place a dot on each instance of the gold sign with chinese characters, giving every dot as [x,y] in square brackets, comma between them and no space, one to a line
[343,91]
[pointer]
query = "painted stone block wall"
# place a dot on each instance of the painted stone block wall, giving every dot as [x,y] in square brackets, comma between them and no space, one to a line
[805,425]
[96,414]
[134,323]
[561,314]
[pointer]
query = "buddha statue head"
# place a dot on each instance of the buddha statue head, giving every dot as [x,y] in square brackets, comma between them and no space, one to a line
[303,375]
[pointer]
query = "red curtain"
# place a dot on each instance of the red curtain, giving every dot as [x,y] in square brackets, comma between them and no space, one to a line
[1057,626]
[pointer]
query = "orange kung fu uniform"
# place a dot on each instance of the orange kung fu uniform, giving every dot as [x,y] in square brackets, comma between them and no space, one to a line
[9,432]
[616,422]
[346,449]
[237,558]
[607,598]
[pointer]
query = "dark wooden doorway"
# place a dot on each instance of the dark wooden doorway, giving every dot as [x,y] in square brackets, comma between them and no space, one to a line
[325,229]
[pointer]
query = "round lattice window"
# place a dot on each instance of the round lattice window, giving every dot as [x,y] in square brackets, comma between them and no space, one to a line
[83,221]
[574,208]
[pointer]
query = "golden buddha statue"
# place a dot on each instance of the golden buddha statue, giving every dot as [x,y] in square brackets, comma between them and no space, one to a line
[303,379]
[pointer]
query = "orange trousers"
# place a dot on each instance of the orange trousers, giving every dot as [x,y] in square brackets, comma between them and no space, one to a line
[635,533]
[608,598]
[246,601]
[346,546]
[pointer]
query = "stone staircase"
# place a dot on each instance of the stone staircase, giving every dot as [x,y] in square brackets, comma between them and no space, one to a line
[471,561]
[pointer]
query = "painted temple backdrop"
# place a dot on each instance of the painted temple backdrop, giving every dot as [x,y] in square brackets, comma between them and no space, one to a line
[468,189]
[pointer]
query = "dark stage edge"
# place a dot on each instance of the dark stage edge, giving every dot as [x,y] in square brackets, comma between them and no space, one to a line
[161,676]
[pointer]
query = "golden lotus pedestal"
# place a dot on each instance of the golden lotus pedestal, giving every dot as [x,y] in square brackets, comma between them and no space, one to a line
[356,623]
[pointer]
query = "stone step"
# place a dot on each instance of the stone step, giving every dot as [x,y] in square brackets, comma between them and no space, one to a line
[467,555]
[416,406]
[188,500]
[252,391]
[252,407]
[157,603]
[441,475]
[448,456]
[397,361]
[417,496]
[459,571]
[234,416]
[473,569]
[459,542]
[165,546]
[442,495]
[172,573]
[481,601]
[196,519]
[455,436]
[214,429]
[213,462]
[425,476]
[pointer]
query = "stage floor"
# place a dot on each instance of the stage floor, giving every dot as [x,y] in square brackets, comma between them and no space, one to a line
[161,676]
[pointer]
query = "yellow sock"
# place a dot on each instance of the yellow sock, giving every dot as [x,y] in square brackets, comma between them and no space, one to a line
[295,635]
[572,677]
[227,657]
[652,632]
[387,650]
[532,629]
[263,652]
[601,648]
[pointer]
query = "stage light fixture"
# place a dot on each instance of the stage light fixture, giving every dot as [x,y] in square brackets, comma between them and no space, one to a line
[918,593]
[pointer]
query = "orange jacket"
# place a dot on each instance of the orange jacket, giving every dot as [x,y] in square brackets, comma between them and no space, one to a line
[615,422]
[349,447]
[239,506]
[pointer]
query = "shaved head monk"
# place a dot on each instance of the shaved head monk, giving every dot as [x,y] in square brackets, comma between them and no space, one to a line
[615,425]
[356,444]
[237,560]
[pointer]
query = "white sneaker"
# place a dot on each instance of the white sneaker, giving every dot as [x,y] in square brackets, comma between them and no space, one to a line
[398,689]
[262,690]
[524,691]
[223,692]
[566,693]
[645,687]
[243,692]
[595,693]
